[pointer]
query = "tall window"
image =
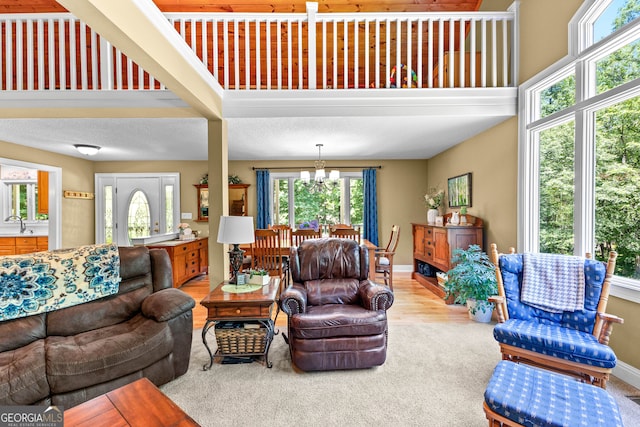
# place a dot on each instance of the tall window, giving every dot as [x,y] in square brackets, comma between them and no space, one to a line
[556,189]
[294,202]
[581,151]
[19,193]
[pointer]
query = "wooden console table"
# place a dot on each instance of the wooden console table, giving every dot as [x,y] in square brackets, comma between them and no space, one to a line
[189,258]
[433,248]
[137,404]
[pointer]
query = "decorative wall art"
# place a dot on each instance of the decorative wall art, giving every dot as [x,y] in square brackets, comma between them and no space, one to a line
[459,190]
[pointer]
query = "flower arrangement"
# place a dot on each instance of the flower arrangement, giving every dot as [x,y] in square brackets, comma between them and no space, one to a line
[185,232]
[433,198]
[234,179]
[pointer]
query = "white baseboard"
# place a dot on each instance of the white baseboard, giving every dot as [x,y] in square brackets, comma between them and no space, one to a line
[627,373]
[402,268]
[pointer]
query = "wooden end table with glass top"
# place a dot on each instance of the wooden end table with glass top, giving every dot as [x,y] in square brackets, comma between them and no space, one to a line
[242,321]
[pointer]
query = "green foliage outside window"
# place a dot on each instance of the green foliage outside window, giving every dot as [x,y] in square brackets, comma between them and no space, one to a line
[557,189]
[617,168]
[324,205]
[321,205]
[558,96]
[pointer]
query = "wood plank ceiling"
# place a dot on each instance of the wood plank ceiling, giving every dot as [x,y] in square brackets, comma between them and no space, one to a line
[275,6]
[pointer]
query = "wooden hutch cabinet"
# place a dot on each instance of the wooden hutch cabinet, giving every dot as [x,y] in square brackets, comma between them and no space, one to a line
[433,248]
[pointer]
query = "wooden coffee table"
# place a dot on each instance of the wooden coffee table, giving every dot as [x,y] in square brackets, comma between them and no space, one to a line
[137,404]
[252,309]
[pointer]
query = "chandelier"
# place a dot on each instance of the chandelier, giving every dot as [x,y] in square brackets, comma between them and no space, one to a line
[320,176]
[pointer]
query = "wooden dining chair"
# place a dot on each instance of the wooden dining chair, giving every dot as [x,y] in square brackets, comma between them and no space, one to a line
[266,253]
[346,233]
[339,227]
[284,231]
[299,236]
[384,257]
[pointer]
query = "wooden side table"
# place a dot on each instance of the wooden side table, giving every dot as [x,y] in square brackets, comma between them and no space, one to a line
[243,321]
[135,404]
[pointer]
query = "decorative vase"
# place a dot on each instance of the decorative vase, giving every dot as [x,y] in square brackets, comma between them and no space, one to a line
[431,216]
[455,218]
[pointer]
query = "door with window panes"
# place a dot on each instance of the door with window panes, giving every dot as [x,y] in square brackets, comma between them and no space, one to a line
[132,205]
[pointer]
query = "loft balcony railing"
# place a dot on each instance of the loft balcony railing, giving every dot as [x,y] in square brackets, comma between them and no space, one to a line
[274,51]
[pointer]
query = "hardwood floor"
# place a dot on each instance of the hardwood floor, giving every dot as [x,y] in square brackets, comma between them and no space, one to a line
[412,304]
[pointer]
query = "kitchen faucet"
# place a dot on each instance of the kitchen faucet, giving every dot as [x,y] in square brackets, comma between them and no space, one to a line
[23,227]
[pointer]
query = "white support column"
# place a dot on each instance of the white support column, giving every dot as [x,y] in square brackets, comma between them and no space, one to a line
[312,9]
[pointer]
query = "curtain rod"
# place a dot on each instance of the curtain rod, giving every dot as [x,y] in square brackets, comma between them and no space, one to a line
[326,167]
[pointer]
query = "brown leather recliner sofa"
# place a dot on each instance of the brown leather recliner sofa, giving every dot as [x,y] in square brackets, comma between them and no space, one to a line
[337,316]
[71,355]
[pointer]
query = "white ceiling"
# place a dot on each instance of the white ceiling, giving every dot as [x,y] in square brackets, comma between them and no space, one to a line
[386,125]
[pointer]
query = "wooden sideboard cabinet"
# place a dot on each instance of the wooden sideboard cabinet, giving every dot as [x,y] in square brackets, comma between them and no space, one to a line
[433,248]
[23,245]
[189,258]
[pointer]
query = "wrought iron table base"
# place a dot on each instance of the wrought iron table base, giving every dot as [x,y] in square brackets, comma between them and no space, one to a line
[267,323]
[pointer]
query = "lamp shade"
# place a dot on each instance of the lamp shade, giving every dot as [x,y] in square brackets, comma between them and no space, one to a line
[235,229]
[305,176]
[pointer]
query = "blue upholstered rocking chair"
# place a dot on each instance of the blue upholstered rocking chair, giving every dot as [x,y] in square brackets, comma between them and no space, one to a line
[573,342]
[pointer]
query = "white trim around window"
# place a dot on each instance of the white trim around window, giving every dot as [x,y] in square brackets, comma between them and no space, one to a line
[582,63]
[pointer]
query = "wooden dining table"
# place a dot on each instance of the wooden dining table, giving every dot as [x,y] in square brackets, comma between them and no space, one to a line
[371,249]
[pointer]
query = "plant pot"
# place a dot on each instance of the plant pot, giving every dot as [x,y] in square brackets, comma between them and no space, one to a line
[259,280]
[431,216]
[480,311]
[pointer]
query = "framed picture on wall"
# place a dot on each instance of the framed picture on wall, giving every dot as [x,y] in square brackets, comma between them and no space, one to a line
[459,190]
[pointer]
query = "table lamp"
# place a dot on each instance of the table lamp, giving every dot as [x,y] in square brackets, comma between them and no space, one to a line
[235,230]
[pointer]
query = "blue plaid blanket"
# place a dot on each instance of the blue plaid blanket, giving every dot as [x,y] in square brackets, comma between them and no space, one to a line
[553,282]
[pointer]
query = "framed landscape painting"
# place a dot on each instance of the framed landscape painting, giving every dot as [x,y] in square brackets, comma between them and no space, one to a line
[459,190]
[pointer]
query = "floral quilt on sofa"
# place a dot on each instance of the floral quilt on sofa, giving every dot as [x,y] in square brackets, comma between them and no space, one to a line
[46,281]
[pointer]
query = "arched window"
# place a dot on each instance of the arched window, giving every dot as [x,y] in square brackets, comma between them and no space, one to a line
[139,216]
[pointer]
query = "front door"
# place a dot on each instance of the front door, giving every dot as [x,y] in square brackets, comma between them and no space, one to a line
[135,205]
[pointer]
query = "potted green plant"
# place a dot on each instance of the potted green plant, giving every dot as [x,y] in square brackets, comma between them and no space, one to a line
[472,281]
[463,215]
[259,277]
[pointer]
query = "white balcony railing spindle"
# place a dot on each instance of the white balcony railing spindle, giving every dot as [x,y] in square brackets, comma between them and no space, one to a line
[293,51]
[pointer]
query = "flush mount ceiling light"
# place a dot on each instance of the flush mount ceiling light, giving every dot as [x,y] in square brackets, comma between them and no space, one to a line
[87,150]
[320,175]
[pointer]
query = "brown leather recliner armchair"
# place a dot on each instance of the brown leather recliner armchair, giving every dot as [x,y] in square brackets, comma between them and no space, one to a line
[337,316]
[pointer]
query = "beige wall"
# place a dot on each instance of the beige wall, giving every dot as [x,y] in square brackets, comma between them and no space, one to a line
[401,186]
[78,215]
[492,159]
[492,156]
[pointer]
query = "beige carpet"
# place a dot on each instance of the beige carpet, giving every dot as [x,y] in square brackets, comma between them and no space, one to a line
[435,375]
